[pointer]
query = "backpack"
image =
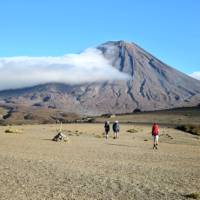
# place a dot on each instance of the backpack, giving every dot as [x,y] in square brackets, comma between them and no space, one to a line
[155,129]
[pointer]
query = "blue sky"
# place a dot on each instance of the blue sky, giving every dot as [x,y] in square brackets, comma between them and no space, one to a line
[169,29]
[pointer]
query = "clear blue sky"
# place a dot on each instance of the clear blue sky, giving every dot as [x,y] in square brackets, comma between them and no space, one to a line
[169,29]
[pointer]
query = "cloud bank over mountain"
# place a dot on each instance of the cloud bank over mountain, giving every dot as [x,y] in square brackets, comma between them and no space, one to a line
[88,66]
[195,75]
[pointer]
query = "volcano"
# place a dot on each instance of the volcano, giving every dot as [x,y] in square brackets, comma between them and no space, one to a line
[152,85]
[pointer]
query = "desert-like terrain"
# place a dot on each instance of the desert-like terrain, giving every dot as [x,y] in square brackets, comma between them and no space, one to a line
[91,167]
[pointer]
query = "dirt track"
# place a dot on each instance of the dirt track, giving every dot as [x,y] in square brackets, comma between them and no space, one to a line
[89,167]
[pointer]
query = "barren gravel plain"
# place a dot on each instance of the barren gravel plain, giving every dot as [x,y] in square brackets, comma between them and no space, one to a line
[90,167]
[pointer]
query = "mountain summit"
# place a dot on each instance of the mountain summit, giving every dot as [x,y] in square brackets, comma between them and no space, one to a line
[152,85]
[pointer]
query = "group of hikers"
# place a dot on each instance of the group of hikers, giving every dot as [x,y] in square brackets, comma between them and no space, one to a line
[115,127]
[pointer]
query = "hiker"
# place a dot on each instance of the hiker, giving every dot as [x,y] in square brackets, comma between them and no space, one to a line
[155,134]
[59,137]
[116,129]
[107,128]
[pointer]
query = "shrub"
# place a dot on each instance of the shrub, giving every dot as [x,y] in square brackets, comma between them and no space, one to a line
[15,131]
[193,129]
[37,105]
[98,136]
[90,120]
[193,195]
[132,131]
[137,110]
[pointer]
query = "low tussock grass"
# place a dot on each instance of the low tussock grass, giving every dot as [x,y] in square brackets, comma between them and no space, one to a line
[132,131]
[13,131]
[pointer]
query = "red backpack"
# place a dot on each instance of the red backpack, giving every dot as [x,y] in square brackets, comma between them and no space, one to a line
[155,129]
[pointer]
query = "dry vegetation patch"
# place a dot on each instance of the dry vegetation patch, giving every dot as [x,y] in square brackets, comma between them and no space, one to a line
[14,131]
[193,195]
[193,129]
[132,131]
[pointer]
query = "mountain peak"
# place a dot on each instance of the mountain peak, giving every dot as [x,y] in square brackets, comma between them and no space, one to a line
[153,85]
[119,43]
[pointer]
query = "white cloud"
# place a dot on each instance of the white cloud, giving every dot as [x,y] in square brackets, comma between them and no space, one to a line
[88,66]
[195,75]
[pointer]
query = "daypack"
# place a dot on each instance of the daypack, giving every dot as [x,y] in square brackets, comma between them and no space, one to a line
[155,129]
[116,127]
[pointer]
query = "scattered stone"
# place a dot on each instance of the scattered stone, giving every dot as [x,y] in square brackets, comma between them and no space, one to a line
[60,137]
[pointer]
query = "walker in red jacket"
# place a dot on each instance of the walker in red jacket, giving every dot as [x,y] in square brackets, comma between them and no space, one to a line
[155,134]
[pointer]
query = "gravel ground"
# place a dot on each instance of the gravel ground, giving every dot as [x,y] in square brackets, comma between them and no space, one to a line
[91,167]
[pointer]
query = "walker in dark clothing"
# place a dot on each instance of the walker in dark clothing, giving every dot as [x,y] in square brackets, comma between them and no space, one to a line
[107,128]
[116,129]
